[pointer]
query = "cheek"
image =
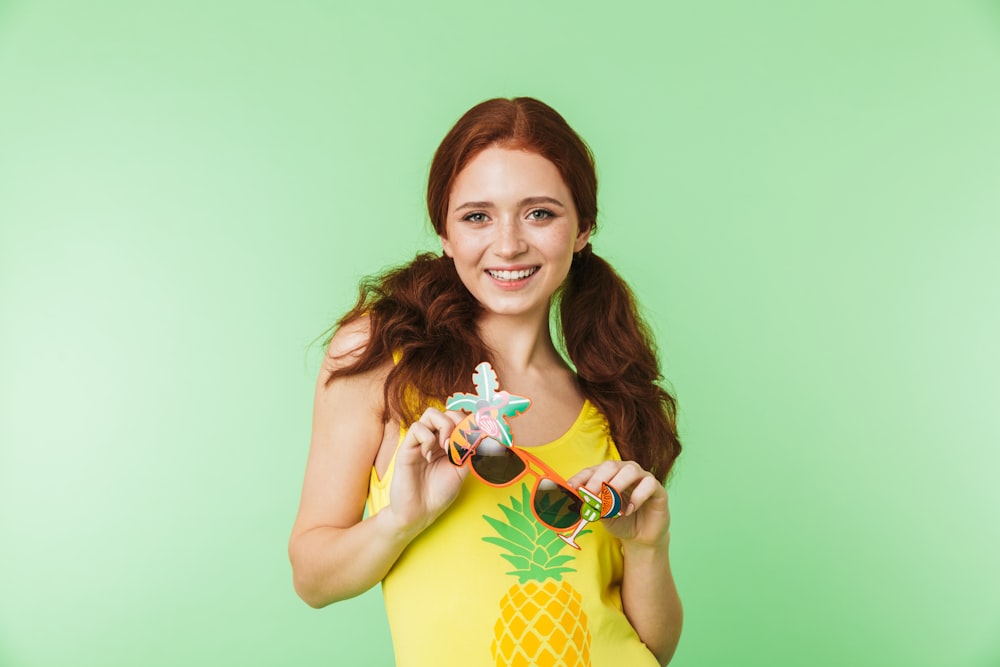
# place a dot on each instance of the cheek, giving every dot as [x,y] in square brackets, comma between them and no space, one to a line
[559,242]
[463,250]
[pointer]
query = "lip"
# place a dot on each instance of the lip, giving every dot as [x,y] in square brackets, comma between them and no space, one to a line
[512,284]
[513,267]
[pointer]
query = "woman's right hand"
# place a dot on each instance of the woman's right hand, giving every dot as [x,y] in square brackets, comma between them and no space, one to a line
[425,482]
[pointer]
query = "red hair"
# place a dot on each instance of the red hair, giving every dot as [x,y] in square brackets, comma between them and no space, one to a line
[522,123]
[421,308]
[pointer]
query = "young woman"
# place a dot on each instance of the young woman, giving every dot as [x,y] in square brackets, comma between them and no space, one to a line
[469,573]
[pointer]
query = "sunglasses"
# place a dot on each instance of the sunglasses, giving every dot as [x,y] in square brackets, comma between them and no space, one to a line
[554,503]
[483,440]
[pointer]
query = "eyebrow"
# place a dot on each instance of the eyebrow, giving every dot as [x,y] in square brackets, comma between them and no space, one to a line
[528,201]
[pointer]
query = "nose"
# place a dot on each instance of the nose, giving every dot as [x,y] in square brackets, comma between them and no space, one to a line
[509,241]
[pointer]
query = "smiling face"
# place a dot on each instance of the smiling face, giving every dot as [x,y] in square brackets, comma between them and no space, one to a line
[512,229]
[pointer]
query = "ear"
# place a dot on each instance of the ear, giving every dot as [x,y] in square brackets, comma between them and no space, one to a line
[446,245]
[582,239]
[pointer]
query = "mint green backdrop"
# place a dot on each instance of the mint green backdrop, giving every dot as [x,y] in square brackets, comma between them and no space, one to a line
[805,195]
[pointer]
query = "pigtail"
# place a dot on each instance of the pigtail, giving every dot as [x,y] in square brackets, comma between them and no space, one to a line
[616,362]
[416,311]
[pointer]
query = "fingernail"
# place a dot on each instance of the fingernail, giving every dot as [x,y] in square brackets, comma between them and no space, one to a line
[629,509]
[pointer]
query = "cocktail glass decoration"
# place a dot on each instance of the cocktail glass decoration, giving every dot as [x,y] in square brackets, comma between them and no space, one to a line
[605,506]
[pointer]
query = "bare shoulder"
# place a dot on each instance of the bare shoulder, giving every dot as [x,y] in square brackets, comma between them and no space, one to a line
[362,391]
[347,344]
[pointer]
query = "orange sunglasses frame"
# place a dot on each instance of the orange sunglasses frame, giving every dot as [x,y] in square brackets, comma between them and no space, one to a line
[529,461]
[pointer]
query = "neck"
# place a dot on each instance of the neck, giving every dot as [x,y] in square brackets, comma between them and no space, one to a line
[519,344]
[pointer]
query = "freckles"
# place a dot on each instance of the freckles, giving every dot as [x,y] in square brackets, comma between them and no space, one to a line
[557,236]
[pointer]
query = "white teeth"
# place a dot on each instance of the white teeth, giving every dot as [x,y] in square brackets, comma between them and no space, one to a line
[512,275]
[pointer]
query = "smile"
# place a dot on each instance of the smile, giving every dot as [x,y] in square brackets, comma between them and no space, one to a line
[512,275]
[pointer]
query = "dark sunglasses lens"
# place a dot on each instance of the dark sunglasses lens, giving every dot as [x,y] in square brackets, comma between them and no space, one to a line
[556,505]
[495,462]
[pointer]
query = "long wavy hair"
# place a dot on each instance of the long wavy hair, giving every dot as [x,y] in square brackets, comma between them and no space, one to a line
[418,310]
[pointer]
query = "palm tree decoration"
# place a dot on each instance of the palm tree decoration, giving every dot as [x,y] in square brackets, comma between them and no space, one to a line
[489,409]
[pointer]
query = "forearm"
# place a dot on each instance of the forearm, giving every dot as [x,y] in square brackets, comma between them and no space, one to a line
[650,600]
[330,564]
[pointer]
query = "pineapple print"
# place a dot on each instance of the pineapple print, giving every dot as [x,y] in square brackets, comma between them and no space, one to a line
[541,623]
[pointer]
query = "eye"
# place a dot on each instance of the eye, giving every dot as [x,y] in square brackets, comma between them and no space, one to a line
[475,217]
[540,214]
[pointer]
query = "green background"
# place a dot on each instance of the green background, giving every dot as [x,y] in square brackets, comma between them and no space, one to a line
[805,196]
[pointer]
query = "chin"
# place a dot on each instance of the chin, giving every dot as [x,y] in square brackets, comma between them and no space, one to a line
[514,309]
[515,303]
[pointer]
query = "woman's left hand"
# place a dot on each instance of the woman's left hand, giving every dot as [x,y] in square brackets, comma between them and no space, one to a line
[645,519]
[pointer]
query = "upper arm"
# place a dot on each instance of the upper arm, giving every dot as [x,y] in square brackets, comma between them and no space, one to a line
[347,430]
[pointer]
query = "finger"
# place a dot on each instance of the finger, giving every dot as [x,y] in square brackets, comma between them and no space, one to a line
[628,475]
[456,416]
[435,419]
[647,488]
[419,438]
[442,423]
[581,478]
[594,476]
[619,474]
[431,447]
[417,432]
[625,477]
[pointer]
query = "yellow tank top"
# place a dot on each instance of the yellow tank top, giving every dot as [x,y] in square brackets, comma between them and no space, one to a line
[487,585]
